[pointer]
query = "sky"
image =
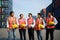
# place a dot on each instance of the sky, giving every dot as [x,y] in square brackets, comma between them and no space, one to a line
[29,6]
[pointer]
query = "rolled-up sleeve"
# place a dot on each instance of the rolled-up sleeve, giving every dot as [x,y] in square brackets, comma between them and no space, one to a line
[7,24]
[55,20]
[44,23]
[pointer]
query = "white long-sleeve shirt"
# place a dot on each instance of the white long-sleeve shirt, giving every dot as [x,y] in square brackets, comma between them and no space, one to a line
[55,20]
[44,23]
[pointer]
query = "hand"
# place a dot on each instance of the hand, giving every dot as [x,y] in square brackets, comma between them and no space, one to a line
[8,29]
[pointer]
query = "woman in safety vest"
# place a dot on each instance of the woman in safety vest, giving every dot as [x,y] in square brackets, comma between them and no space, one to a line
[30,23]
[22,27]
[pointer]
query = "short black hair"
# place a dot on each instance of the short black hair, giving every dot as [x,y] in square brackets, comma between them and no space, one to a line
[11,12]
[30,13]
[20,14]
[39,14]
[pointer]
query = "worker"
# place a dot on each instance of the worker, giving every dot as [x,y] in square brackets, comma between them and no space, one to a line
[10,28]
[22,27]
[39,26]
[30,23]
[50,25]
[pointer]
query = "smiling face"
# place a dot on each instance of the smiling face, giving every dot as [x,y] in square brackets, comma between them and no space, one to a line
[49,14]
[21,15]
[12,13]
[30,15]
[39,15]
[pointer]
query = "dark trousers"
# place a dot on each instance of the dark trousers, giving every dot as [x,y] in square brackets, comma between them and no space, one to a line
[22,34]
[39,34]
[31,33]
[49,31]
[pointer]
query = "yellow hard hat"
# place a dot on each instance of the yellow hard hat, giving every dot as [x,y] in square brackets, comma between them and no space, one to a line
[15,25]
[23,25]
[51,23]
[41,25]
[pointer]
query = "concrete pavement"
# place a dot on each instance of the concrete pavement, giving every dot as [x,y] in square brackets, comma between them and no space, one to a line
[4,34]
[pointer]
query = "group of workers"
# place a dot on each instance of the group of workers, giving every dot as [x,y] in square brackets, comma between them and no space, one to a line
[31,25]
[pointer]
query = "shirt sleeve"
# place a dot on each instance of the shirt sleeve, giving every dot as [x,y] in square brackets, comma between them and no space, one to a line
[17,22]
[7,23]
[55,20]
[44,23]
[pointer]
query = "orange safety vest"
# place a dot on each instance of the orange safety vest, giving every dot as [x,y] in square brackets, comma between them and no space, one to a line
[38,21]
[49,20]
[30,21]
[21,21]
[11,20]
